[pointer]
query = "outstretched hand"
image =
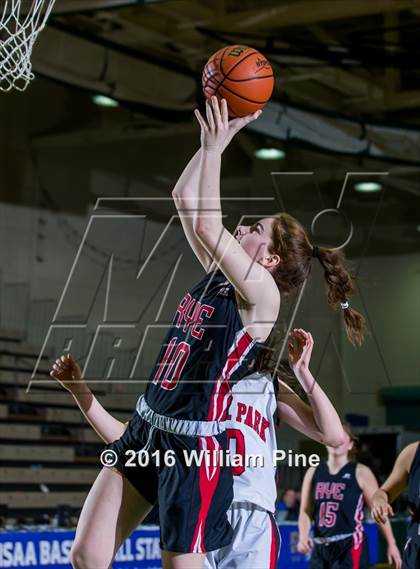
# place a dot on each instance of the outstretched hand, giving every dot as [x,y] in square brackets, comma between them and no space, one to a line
[300,348]
[217,130]
[67,372]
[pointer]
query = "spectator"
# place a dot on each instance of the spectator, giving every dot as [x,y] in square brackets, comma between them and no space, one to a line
[288,506]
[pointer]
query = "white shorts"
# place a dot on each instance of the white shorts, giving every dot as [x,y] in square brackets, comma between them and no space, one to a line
[256,540]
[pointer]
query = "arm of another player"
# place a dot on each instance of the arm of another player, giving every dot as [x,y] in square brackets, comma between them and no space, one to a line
[393,485]
[68,373]
[369,485]
[319,420]
[246,274]
[305,543]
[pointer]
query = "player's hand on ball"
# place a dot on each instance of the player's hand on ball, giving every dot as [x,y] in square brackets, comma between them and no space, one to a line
[305,545]
[300,348]
[381,509]
[67,372]
[216,130]
[235,125]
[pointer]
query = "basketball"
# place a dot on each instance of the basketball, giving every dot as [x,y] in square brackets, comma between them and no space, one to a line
[241,75]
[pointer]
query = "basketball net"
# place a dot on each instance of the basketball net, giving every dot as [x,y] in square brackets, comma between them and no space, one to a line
[19,28]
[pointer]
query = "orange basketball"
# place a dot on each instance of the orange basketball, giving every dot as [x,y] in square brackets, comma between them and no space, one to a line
[241,75]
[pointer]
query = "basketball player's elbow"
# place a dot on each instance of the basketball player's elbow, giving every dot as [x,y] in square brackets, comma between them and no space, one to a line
[207,229]
[176,195]
[179,197]
[333,440]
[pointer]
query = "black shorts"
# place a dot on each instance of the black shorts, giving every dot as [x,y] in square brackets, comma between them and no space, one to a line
[411,555]
[340,555]
[193,500]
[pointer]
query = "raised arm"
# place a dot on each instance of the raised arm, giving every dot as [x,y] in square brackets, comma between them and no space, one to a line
[67,372]
[247,275]
[185,195]
[393,485]
[369,485]
[319,420]
[305,543]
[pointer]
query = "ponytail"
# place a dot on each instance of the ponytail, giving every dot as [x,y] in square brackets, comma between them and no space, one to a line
[340,287]
[291,243]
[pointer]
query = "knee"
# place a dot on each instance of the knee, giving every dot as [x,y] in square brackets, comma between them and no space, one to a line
[84,556]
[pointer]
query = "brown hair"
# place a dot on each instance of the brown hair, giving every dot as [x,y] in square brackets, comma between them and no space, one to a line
[355,440]
[291,243]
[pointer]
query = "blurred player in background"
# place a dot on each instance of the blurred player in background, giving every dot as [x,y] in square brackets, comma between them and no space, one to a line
[333,496]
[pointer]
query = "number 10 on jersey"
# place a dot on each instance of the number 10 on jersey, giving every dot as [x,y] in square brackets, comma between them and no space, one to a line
[172,364]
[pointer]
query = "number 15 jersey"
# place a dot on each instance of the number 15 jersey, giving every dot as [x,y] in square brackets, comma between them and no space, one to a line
[338,502]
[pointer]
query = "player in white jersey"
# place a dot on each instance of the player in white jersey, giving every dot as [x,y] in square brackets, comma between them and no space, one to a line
[257,406]
[251,432]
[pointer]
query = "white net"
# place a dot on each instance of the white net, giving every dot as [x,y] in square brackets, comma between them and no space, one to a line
[20,25]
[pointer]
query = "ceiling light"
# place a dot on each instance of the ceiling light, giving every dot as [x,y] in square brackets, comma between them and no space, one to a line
[367,187]
[103,101]
[269,154]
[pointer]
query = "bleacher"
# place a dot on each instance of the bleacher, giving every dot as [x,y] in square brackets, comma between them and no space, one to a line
[49,456]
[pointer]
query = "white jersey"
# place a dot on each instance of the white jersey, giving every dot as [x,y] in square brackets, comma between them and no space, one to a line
[251,430]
